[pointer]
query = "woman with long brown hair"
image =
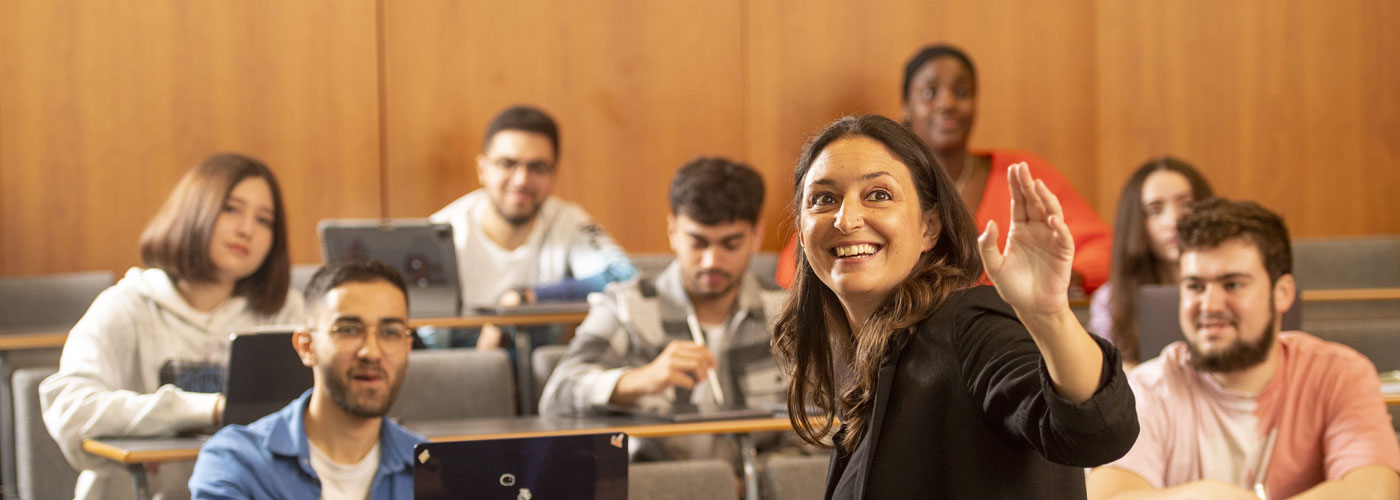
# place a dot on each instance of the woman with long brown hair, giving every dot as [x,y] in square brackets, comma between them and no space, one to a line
[940,390]
[1144,246]
[147,357]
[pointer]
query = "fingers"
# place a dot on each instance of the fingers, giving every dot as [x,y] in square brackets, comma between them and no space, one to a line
[1036,209]
[987,247]
[1018,199]
[1056,219]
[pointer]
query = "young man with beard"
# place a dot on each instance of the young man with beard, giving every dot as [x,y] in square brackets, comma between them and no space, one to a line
[333,442]
[515,242]
[653,345]
[1239,403]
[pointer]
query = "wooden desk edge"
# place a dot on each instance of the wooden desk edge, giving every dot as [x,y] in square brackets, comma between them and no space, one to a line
[21,341]
[119,455]
[1351,294]
[1392,399]
[504,319]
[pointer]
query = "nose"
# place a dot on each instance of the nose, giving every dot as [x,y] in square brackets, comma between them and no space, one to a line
[370,348]
[1212,298]
[850,218]
[520,175]
[708,257]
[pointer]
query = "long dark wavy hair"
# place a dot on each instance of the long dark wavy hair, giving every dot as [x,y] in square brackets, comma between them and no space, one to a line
[1134,264]
[812,320]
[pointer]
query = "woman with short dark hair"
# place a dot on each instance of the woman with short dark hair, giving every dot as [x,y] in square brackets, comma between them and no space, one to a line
[147,358]
[944,389]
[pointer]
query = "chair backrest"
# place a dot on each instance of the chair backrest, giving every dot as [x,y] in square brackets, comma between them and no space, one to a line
[301,275]
[455,383]
[1351,262]
[42,472]
[682,480]
[542,363]
[54,301]
[795,477]
[1159,320]
[1378,340]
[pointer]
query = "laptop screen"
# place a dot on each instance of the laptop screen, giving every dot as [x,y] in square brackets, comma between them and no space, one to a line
[422,252]
[264,374]
[582,467]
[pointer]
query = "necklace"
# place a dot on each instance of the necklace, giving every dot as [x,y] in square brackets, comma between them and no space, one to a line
[965,174]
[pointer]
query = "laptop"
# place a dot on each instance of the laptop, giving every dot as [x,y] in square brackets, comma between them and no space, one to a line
[264,374]
[583,467]
[422,251]
[1159,319]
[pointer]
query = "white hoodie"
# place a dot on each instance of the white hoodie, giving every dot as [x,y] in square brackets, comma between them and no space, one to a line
[109,382]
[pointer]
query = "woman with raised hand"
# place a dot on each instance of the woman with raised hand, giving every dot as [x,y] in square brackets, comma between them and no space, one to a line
[148,357]
[944,389]
[1144,246]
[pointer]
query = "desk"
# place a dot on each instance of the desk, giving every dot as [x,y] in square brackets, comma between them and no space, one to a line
[46,338]
[1351,294]
[135,453]
[1392,399]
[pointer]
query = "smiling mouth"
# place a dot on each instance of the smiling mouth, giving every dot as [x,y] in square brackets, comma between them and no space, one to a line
[852,251]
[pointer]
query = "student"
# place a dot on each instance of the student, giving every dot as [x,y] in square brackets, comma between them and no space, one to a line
[939,97]
[942,392]
[638,347]
[1212,404]
[1144,245]
[147,357]
[333,442]
[515,242]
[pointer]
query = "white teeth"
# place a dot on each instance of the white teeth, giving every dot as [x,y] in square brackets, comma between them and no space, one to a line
[855,250]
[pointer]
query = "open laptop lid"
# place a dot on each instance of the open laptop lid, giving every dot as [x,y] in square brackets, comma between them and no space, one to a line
[1159,319]
[264,374]
[584,467]
[422,251]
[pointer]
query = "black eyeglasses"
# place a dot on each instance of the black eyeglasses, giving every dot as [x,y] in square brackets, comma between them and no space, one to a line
[537,167]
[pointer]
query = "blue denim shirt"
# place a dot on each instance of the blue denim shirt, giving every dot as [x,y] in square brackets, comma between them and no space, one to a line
[271,459]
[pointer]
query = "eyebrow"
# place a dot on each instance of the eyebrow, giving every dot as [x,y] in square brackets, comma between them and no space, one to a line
[1222,277]
[866,177]
[726,237]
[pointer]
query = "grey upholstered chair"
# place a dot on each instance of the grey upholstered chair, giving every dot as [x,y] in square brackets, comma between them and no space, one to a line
[682,480]
[795,477]
[542,363]
[49,303]
[1350,262]
[455,383]
[42,470]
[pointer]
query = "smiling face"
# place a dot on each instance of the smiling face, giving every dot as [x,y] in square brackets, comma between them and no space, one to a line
[1229,311]
[242,234]
[1166,195]
[358,346]
[862,226]
[517,171]
[941,104]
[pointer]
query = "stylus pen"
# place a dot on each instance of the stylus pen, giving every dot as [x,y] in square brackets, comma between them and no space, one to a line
[710,374]
[1261,470]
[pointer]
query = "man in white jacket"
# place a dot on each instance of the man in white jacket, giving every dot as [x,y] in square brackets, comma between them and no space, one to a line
[514,240]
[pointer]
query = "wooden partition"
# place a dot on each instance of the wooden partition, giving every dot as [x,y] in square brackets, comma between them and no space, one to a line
[370,108]
[104,105]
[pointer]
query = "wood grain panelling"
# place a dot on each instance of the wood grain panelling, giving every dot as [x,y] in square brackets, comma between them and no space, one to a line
[1291,103]
[638,87]
[104,105]
[813,61]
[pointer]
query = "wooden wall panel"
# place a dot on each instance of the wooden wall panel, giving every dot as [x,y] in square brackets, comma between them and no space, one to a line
[1290,103]
[638,87]
[104,105]
[813,61]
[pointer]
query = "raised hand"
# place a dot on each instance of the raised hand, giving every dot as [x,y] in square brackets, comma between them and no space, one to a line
[1033,274]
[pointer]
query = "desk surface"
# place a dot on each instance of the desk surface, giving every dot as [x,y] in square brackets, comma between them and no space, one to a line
[500,319]
[33,340]
[154,450]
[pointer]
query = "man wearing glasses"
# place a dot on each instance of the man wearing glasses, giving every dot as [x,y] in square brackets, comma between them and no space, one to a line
[334,441]
[515,242]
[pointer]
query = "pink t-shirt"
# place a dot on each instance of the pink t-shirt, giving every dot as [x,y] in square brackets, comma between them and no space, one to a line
[1325,401]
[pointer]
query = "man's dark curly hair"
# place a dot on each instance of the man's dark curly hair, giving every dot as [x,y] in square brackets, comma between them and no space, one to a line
[1216,220]
[713,190]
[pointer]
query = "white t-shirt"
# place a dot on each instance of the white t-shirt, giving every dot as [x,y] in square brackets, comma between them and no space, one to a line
[345,481]
[564,243]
